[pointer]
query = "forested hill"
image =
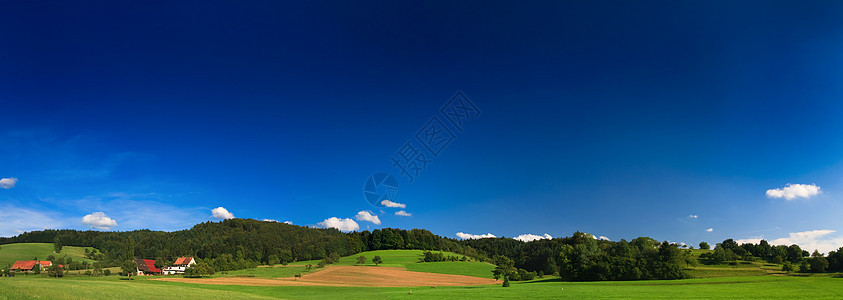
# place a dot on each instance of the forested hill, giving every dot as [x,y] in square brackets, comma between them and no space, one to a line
[243,243]
[240,242]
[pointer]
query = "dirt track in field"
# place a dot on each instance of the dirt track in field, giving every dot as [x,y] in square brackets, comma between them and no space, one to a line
[350,276]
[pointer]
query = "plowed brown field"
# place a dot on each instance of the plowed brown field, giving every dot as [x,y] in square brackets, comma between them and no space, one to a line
[350,276]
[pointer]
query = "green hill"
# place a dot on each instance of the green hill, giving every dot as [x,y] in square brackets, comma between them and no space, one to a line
[409,259]
[10,253]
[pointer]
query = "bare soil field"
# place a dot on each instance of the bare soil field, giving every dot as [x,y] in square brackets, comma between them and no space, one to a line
[350,276]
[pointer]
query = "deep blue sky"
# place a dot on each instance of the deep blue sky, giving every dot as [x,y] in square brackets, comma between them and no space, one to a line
[621,119]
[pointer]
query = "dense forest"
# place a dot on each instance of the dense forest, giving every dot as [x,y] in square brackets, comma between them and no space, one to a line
[243,243]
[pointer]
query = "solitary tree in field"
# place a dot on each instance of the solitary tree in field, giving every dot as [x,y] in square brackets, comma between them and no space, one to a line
[504,267]
[129,267]
[55,271]
[297,276]
[377,260]
[361,260]
[704,245]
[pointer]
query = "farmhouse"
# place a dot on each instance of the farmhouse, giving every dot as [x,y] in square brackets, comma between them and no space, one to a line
[146,267]
[45,264]
[181,264]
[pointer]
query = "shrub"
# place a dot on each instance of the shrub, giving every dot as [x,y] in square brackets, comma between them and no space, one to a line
[787,267]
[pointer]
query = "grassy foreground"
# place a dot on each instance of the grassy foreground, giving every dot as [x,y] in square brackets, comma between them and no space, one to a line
[747,281]
[754,287]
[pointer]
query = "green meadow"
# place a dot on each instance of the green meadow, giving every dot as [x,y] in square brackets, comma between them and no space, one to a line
[752,287]
[742,281]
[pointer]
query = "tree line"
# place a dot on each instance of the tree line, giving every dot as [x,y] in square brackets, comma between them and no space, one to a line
[244,243]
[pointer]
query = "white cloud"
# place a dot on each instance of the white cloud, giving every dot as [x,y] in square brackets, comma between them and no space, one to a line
[807,240]
[17,220]
[341,224]
[222,213]
[598,237]
[693,216]
[270,220]
[99,220]
[532,237]
[8,183]
[368,216]
[288,222]
[710,229]
[467,236]
[388,203]
[403,213]
[793,191]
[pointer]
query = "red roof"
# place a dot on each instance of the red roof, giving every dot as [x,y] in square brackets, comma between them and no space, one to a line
[183,260]
[24,264]
[150,264]
[46,263]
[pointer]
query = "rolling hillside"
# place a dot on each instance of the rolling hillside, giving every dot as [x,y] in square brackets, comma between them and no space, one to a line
[10,253]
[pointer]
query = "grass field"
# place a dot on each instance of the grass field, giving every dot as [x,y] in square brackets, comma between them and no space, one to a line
[713,282]
[409,259]
[754,287]
[10,253]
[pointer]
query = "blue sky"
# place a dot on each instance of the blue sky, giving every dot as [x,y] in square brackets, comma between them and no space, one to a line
[664,119]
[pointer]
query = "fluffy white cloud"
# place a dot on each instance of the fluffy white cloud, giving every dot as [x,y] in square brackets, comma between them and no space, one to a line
[288,222]
[8,183]
[710,229]
[467,236]
[222,213]
[403,213]
[99,220]
[367,216]
[388,203]
[532,237]
[341,224]
[807,240]
[270,220]
[602,238]
[793,191]
[693,216]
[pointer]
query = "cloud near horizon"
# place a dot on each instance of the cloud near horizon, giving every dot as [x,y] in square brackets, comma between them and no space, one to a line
[7,183]
[793,191]
[99,220]
[807,240]
[340,224]
[368,216]
[468,236]
[221,213]
[532,237]
[388,203]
